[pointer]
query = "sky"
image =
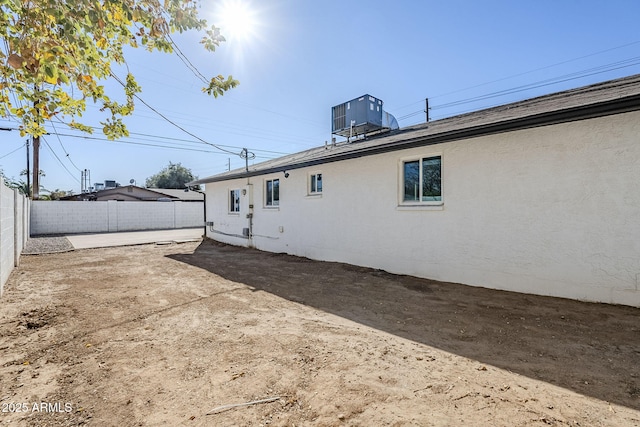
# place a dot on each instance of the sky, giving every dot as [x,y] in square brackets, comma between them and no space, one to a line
[295,59]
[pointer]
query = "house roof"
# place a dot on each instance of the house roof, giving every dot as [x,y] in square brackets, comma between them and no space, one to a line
[180,194]
[126,192]
[135,193]
[597,100]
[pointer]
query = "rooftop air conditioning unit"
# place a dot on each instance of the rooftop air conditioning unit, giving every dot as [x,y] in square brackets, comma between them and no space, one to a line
[361,116]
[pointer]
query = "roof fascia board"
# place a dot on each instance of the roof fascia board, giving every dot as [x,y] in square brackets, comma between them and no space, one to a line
[601,109]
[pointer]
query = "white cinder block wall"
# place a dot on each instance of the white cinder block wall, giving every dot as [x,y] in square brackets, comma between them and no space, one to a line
[6,233]
[187,216]
[55,217]
[64,217]
[553,210]
[14,225]
[21,224]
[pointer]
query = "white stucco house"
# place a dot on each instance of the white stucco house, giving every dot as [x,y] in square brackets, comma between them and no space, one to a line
[540,196]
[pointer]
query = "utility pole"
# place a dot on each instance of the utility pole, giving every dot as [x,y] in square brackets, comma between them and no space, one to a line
[36,168]
[426,108]
[36,156]
[28,171]
[84,181]
[245,154]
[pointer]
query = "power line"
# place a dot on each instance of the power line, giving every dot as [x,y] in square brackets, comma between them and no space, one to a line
[415,113]
[11,152]
[173,123]
[61,145]
[225,99]
[560,79]
[547,82]
[190,141]
[121,141]
[183,57]
[200,76]
[538,69]
[175,146]
[186,61]
[60,161]
[278,153]
[243,130]
[521,74]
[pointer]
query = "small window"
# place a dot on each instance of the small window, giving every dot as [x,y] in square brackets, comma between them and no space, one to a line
[272,197]
[422,180]
[234,201]
[315,183]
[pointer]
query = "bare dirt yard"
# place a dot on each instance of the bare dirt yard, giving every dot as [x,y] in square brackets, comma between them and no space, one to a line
[165,334]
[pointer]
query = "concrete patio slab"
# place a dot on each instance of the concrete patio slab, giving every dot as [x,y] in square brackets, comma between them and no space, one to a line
[103,240]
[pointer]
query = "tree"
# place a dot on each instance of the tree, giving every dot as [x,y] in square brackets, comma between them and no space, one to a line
[57,194]
[20,184]
[57,53]
[173,176]
[41,173]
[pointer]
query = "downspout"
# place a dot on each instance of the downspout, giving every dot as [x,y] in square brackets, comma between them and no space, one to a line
[250,214]
[204,195]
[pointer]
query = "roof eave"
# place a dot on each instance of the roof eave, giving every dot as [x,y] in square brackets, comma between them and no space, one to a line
[600,109]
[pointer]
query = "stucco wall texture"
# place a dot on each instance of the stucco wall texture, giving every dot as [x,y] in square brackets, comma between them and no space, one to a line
[552,210]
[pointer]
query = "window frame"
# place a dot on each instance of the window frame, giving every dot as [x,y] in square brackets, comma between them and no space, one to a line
[234,206]
[420,160]
[310,184]
[271,202]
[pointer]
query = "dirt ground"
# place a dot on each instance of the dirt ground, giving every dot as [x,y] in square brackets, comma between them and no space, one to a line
[165,334]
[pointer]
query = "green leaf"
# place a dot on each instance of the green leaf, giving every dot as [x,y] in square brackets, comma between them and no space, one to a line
[49,71]
[52,44]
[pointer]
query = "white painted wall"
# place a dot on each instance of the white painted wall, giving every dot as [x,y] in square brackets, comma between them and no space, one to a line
[14,226]
[60,217]
[552,211]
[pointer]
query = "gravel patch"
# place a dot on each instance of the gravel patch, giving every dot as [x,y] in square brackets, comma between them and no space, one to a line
[47,245]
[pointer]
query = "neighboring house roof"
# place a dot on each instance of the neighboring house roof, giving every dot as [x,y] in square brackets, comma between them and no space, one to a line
[597,100]
[188,196]
[125,193]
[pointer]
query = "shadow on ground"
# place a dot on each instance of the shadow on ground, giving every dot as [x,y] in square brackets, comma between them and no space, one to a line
[592,349]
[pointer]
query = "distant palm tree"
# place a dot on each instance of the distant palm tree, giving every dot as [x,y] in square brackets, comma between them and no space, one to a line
[41,173]
[21,185]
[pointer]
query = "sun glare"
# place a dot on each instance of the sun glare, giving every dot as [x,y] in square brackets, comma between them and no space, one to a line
[236,20]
